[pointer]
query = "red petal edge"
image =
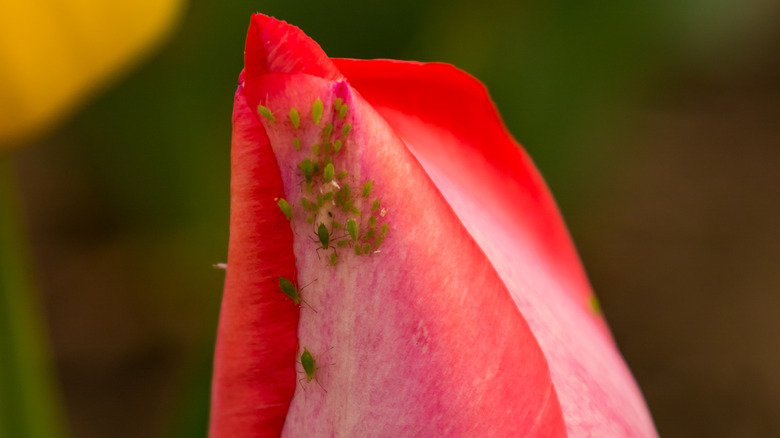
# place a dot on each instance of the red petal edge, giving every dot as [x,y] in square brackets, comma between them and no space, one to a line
[254,375]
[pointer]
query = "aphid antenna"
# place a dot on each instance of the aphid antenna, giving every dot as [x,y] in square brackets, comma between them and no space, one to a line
[308,305]
[336,239]
[304,301]
[307,285]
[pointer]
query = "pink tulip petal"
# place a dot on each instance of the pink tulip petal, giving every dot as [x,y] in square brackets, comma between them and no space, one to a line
[448,121]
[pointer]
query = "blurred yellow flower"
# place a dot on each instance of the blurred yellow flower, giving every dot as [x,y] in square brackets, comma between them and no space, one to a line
[55,53]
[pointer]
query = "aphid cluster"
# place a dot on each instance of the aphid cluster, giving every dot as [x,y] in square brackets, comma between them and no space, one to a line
[340,216]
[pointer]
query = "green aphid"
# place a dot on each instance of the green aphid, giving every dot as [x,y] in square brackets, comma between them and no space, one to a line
[372,221]
[345,130]
[342,243]
[357,249]
[370,234]
[288,288]
[309,219]
[316,111]
[352,229]
[343,111]
[375,205]
[355,211]
[384,229]
[336,225]
[337,146]
[306,204]
[367,188]
[265,112]
[326,147]
[308,168]
[323,235]
[315,149]
[308,363]
[366,248]
[328,172]
[327,130]
[296,144]
[334,259]
[337,103]
[343,174]
[285,207]
[347,206]
[327,196]
[310,367]
[378,241]
[295,118]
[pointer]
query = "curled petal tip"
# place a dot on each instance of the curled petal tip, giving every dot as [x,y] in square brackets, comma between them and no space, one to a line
[274,46]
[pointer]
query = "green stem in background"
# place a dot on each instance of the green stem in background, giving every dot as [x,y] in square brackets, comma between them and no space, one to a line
[29,398]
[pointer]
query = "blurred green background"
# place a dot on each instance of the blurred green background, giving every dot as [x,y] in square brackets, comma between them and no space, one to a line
[656,124]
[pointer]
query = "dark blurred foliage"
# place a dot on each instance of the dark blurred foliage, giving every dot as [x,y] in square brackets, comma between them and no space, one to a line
[655,124]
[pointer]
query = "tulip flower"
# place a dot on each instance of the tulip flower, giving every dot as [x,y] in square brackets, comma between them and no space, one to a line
[397,266]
